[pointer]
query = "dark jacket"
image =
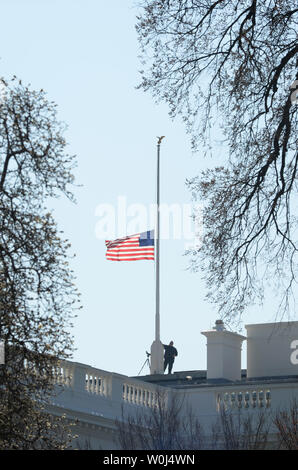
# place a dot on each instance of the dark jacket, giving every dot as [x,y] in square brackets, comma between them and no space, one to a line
[170,351]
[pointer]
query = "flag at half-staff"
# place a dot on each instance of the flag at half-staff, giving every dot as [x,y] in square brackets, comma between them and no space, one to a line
[131,248]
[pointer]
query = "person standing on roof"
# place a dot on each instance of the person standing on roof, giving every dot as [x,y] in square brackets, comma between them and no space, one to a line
[169,357]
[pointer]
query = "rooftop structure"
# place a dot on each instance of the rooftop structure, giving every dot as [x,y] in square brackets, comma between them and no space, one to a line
[95,397]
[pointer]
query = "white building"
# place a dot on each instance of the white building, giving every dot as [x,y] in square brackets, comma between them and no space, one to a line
[95,397]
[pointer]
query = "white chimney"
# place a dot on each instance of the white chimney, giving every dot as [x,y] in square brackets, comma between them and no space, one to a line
[272,349]
[223,353]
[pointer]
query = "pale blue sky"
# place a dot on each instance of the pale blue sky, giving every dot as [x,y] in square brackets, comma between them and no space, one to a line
[84,53]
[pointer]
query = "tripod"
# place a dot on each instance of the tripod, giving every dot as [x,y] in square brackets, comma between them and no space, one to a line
[146,362]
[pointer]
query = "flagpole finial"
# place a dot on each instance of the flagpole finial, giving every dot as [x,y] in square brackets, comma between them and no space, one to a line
[160,139]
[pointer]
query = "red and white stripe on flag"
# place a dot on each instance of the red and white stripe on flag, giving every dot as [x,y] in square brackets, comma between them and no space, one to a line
[132,248]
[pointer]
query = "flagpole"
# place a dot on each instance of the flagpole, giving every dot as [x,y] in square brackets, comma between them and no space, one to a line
[157,310]
[157,346]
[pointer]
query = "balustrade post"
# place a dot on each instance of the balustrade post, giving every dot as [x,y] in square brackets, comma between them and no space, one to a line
[116,388]
[79,377]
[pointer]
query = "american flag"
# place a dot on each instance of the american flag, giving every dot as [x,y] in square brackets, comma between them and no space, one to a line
[131,248]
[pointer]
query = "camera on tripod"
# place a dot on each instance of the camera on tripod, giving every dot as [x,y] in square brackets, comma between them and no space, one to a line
[146,362]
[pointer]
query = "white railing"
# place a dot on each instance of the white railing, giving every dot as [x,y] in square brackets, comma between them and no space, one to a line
[121,389]
[137,395]
[97,382]
[62,374]
[116,387]
[247,399]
